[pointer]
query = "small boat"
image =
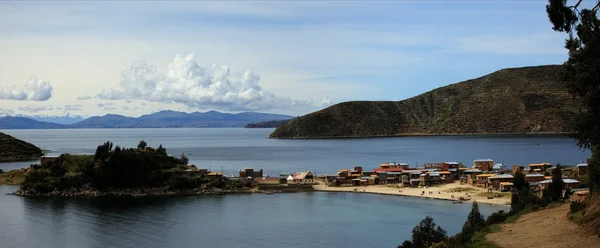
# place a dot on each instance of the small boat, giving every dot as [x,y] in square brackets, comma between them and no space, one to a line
[268,193]
[456,202]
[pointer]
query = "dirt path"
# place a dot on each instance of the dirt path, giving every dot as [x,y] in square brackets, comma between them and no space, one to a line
[548,228]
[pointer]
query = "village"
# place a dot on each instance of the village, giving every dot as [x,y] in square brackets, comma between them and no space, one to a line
[483,181]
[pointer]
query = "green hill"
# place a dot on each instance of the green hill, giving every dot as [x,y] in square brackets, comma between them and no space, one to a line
[509,101]
[13,149]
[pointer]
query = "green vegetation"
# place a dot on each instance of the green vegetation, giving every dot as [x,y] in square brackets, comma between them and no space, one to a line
[425,234]
[13,149]
[581,74]
[117,169]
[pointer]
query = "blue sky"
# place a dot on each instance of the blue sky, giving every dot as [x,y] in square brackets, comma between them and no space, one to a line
[303,55]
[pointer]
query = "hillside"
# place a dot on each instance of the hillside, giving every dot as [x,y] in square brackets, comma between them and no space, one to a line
[161,119]
[13,149]
[10,122]
[509,101]
[266,124]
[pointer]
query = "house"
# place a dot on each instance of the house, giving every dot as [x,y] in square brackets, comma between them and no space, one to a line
[304,178]
[482,180]
[534,178]
[495,180]
[583,168]
[569,183]
[579,194]
[483,164]
[267,180]
[498,167]
[283,177]
[505,186]
[289,179]
[472,175]
[197,172]
[249,172]
[214,175]
[391,167]
[541,167]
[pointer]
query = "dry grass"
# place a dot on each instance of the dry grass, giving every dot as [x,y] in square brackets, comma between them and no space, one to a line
[13,177]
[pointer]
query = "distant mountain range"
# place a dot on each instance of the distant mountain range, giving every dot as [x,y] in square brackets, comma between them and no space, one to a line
[161,119]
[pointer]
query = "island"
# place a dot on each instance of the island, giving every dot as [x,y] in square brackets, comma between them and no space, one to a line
[13,149]
[527,100]
[118,171]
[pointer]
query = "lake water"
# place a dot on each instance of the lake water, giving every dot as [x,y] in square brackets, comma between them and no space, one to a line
[313,219]
[231,149]
[292,220]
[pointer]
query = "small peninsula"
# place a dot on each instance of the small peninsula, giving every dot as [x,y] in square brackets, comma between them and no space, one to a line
[510,101]
[13,149]
[120,171]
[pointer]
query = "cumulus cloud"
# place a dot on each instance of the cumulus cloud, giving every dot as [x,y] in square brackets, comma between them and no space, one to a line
[34,108]
[73,107]
[110,108]
[6,112]
[34,90]
[102,105]
[124,108]
[86,97]
[184,81]
[128,101]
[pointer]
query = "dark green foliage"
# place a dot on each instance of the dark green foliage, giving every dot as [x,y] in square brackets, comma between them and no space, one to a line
[183,159]
[142,145]
[577,206]
[161,149]
[568,193]
[496,218]
[581,72]
[118,168]
[520,181]
[522,199]
[475,221]
[425,234]
[557,185]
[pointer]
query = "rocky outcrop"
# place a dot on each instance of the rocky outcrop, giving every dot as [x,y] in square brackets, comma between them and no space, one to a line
[509,101]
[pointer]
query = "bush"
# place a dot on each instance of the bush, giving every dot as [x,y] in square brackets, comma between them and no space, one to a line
[577,206]
[496,218]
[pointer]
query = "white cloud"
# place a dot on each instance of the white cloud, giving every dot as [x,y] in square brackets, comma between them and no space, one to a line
[110,108]
[6,112]
[34,108]
[34,90]
[86,97]
[184,81]
[124,108]
[128,101]
[72,107]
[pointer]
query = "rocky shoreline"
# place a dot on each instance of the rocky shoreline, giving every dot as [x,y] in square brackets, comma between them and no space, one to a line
[134,192]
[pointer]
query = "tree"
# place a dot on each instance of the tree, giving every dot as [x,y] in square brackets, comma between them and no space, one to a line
[427,233]
[142,145]
[557,185]
[183,158]
[520,181]
[474,221]
[581,72]
[161,149]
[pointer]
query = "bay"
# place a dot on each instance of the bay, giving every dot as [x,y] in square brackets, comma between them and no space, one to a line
[313,219]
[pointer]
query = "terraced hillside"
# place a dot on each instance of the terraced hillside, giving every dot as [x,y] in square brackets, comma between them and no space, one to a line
[13,149]
[509,101]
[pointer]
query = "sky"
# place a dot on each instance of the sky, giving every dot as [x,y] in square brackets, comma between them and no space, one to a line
[290,57]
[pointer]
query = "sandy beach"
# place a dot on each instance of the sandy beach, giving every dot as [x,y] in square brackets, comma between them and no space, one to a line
[442,192]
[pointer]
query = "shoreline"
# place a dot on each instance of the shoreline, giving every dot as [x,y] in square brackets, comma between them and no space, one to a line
[426,135]
[445,192]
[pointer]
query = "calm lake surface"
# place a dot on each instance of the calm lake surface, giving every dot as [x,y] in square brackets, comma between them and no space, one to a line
[280,220]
